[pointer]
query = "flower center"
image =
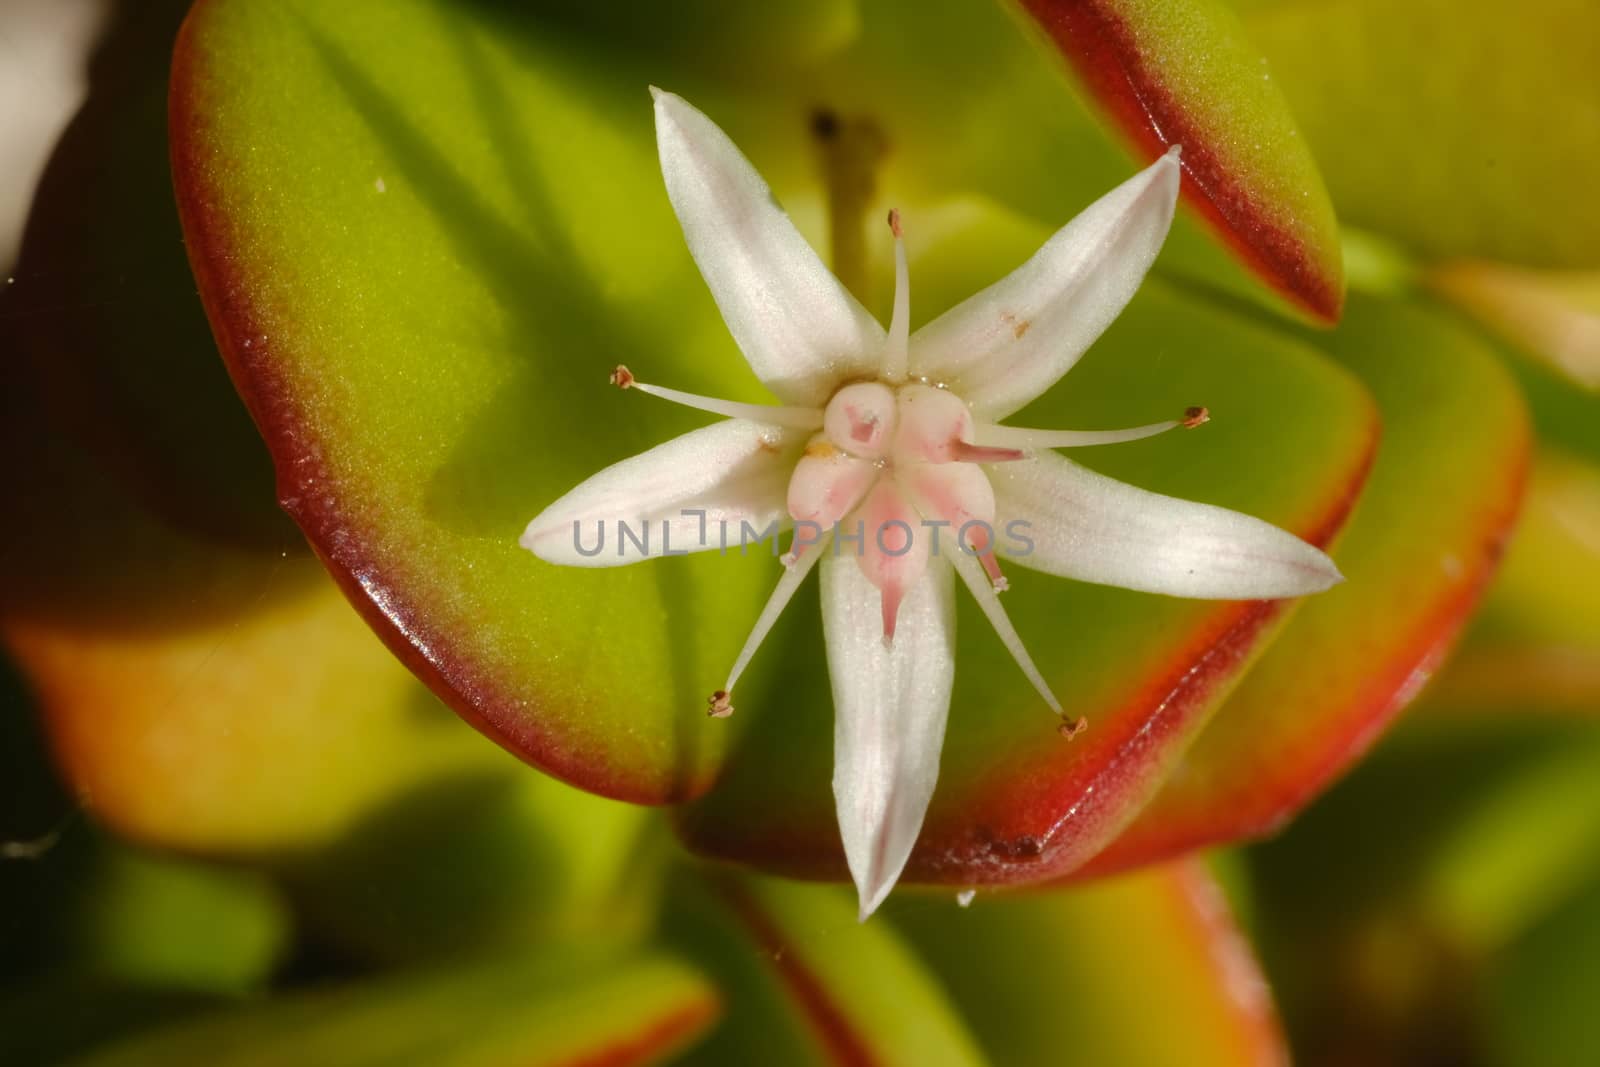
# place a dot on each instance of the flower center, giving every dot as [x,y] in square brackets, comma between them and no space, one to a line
[894,478]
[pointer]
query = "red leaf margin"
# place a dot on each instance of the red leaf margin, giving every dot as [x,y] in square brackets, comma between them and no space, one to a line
[1104,51]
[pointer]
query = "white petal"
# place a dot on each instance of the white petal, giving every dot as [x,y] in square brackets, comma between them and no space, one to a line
[890,704]
[1006,345]
[1084,525]
[735,471]
[796,323]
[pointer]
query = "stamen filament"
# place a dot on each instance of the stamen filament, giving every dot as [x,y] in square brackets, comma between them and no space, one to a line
[796,566]
[771,414]
[962,452]
[1021,437]
[895,348]
[989,600]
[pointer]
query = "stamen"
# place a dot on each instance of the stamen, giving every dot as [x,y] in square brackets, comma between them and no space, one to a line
[719,705]
[989,601]
[895,348]
[1072,729]
[991,567]
[963,452]
[1018,437]
[797,566]
[1195,416]
[798,418]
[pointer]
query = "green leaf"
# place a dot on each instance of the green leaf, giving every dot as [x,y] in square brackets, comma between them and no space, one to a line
[1079,972]
[228,703]
[1167,72]
[545,1013]
[1015,802]
[422,259]
[809,984]
[1425,538]
[1535,645]
[1463,129]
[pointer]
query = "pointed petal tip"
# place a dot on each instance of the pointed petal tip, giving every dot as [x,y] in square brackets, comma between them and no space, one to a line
[530,537]
[1175,153]
[872,895]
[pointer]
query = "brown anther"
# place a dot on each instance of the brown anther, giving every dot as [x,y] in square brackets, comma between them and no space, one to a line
[1071,730]
[1195,416]
[894,221]
[719,705]
[622,377]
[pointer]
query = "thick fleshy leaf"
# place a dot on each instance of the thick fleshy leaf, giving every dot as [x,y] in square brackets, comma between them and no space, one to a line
[1441,500]
[426,233]
[1535,644]
[1076,973]
[1458,151]
[422,324]
[807,984]
[549,1012]
[1016,801]
[1180,72]
[801,330]
[890,702]
[1000,349]
[230,703]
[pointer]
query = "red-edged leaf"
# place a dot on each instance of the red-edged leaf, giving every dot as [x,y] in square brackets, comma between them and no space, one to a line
[808,984]
[420,287]
[1014,802]
[1431,526]
[1078,973]
[1180,72]
[1534,648]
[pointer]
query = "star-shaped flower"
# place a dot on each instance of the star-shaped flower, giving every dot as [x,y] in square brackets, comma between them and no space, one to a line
[889,461]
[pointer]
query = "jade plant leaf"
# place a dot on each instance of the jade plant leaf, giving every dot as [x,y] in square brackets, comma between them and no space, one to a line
[1535,645]
[1453,153]
[550,1012]
[229,703]
[1418,554]
[1014,802]
[1168,72]
[1079,969]
[425,234]
[809,984]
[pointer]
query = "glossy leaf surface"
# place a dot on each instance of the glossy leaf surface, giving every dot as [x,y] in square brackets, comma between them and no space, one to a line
[1419,550]
[1463,149]
[420,288]
[1014,803]
[1081,969]
[1181,72]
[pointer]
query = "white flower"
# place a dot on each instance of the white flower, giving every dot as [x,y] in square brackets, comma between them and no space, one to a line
[883,434]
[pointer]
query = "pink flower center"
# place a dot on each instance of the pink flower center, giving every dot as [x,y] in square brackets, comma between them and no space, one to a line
[894,476]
